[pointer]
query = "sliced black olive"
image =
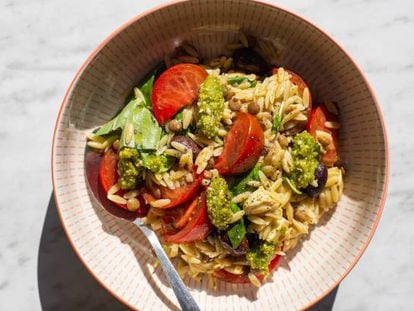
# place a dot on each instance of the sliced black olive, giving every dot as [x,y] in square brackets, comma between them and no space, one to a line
[321,176]
[225,241]
[188,142]
[249,61]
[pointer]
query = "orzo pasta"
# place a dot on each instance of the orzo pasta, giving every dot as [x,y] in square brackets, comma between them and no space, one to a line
[229,160]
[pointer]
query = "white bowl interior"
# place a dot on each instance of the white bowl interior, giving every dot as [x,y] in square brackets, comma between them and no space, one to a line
[118,254]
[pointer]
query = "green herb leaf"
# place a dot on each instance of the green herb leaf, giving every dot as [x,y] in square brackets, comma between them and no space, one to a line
[236,80]
[142,97]
[120,120]
[146,90]
[277,122]
[237,231]
[292,185]
[241,185]
[179,116]
[127,136]
[240,79]
[145,129]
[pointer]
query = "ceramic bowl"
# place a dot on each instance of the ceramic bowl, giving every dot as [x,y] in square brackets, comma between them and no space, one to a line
[115,252]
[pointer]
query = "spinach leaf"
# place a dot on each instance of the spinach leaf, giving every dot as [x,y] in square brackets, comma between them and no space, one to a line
[145,130]
[127,135]
[146,90]
[241,185]
[237,231]
[239,80]
[142,97]
[119,121]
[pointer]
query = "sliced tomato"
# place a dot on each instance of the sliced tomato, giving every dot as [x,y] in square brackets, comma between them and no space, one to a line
[242,145]
[231,277]
[188,211]
[273,264]
[299,82]
[197,228]
[316,122]
[108,173]
[176,88]
[179,195]
[176,218]
[243,278]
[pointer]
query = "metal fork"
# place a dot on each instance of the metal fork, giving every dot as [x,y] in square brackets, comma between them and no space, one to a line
[184,297]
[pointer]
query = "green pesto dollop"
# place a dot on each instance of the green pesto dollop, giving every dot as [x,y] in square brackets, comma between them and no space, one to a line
[305,153]
[219,203]
[260,256]
[129,168]
[210,106]
[157,163]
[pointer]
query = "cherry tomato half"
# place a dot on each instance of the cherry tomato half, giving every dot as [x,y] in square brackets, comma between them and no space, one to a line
[176,88]
[299,82]
[243,278]
[316,122]
[176,218]
[179,195]
[242,145]
[108,174]
[197,228]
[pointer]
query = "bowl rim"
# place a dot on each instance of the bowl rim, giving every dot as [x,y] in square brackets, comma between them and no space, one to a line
[149,11]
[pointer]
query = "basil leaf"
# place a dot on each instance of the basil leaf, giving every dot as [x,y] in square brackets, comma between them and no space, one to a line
[292,185]
[277,122]
[144,128]
[119,121]
[237,231]
[239,80]
[241,185]
[146,90]
[147,130]
[127,135]
[236,80]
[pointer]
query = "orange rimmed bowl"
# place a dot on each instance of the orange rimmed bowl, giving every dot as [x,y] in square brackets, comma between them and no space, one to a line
[118,255]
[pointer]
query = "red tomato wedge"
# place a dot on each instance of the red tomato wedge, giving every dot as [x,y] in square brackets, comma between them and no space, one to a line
[197,228]
[299,82]
[179,195]
[188,211]
[243,278]
[242,145]
[176,88]
[316,122]
[108,174]
[178,217]
[274,263]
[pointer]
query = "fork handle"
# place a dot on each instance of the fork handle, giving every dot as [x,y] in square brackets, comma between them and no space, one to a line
[184,297]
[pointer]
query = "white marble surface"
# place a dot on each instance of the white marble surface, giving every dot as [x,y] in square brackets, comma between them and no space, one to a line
[43,42]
